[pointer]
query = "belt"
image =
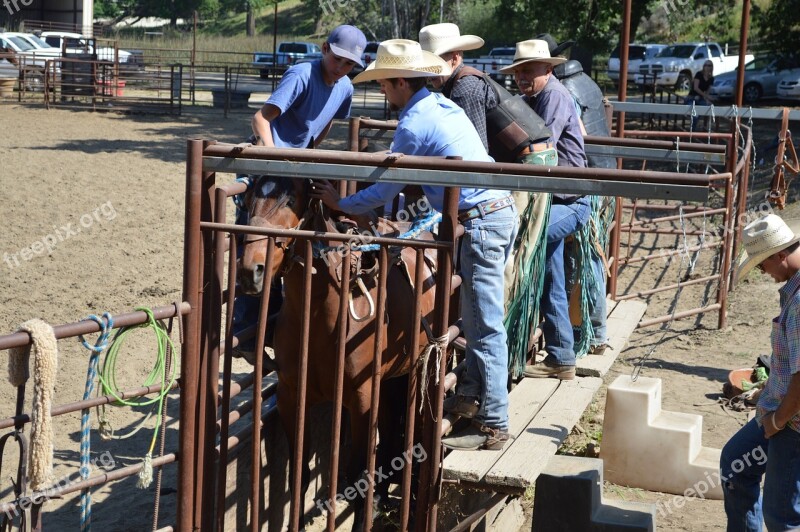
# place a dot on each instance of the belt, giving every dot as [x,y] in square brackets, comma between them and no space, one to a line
[484,208]
[535,148]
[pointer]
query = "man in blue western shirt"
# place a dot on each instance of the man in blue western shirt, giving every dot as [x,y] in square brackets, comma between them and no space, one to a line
[431,125]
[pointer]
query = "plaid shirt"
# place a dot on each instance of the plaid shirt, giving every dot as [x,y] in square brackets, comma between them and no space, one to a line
[475,97]
[785,361]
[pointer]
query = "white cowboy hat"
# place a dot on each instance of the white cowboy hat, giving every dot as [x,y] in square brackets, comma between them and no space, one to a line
[446,37]
[765,237]
[530,51]
[401,58]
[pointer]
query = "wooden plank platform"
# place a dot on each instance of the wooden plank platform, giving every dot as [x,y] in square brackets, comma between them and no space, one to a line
[529,454]
[542,412]
[623,317]
[525,401]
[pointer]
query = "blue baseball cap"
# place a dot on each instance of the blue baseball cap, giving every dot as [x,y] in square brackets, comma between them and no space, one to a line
[348,42]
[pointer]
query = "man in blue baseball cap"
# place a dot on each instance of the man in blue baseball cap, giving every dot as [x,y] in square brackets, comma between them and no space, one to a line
[299,114]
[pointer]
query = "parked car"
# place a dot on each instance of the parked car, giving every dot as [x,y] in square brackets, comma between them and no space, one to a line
[35,41]
[289,54]
[30,61]
[370,51]
[761,77]
[367,57]
[676,65]
[636,54]
[75,43]
[789,87]
[497,58]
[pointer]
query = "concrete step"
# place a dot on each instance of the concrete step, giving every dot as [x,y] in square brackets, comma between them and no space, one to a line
[646,447]
[569,497]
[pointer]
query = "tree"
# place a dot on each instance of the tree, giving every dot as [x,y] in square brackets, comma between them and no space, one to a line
[779,25]
[594,24]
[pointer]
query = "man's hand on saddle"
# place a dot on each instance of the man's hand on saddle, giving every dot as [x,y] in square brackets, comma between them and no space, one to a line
[323,190]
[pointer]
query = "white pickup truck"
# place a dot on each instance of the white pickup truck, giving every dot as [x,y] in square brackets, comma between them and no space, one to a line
[497,59]
[676,65]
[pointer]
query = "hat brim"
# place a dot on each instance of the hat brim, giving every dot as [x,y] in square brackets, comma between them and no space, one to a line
[432,67]
[341,52]
[459,44]
[558,50]
[516,64]
[748,262]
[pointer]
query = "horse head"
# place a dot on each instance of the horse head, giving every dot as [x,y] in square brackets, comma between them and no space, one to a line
[275,203]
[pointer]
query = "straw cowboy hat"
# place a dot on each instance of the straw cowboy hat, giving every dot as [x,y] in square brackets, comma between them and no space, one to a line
[530,51]
[765,237]
[446,37]
[401,58]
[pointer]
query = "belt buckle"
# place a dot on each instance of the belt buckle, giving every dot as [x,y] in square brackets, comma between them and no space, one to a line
[481,209]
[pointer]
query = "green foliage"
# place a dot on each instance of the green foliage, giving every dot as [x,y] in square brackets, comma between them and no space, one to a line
[779,25]
[693,20]
[106,9]
[477,17]
[594,24]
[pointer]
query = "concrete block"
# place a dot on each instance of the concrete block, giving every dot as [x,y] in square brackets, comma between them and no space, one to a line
[647,447]
[569,497]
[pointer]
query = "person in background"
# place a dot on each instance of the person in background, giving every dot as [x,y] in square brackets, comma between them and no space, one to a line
[701,84]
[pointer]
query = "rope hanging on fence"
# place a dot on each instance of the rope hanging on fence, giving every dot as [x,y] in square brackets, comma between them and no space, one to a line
[106,325]
[160,374]
[436,347]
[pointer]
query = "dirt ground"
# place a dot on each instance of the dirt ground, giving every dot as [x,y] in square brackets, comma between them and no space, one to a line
[105,191]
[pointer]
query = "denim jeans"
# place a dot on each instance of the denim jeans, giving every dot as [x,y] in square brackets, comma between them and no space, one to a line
[598,308]
[485,247]
[557,329]
[746,459]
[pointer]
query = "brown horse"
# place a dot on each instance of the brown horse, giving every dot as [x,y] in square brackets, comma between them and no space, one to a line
[283,203]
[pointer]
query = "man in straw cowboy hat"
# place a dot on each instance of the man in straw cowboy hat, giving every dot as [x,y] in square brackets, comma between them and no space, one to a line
[471,93]
[430,124]
[773,246]
[533,69]
[590,105]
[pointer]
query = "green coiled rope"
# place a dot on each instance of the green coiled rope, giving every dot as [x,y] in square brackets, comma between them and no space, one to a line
[162,373]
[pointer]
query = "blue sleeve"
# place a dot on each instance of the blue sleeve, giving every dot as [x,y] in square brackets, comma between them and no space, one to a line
[289,89]
[407,142]
[372,197]
[344,109]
